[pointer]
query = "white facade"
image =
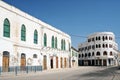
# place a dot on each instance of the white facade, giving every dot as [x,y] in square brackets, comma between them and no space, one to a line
[74,57]
[99,49]
[34,53]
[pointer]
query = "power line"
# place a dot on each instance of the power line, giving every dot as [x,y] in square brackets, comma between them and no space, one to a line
[116,37]
[78,36]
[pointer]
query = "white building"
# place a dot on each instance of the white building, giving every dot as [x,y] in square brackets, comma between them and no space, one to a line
[99,49]
[74,57]
[27,41]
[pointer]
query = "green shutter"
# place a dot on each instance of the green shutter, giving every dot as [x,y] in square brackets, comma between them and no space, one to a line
[23,33]
[6,32]
[64,47]
[62,44]
[45,40]
[35,37]
[53,42]
[56,42]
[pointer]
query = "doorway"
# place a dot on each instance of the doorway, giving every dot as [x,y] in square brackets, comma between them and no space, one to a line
[65,63]
[104,62]
[61,65]
[5,61]
[45,62]
[23,61]
[56,62]
[51,62]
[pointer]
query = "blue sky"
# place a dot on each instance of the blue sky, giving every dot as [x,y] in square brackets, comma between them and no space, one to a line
[75,17]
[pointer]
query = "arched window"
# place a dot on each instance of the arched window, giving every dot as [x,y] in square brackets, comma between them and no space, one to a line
[99,37]
[6,53]
[23,33]
[103,45]
[93,39]
[93,46]
[85,54]
[64,43]
[35,37]
[111,53]
[23,56]
[98,53]
[96,45]
[89,54]
[93,54]
[111,38]
[82,55]
[96,38]
[106,45]
[6,31]
[53,42]
[99,45]
[105,53]
[106,38]
[110,45]
[45,39]
[34,55]
[103,38]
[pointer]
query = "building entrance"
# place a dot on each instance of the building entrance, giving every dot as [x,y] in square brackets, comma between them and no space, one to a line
[5,61]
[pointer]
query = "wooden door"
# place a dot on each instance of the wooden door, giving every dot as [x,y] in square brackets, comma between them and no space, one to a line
[61,62]
[23,61]
[65,62]
[45,62]
[5,61]
[56,62]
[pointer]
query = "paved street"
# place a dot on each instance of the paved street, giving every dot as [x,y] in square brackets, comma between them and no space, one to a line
[80,73]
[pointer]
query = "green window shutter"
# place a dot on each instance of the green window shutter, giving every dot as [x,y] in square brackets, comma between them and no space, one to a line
[45,39]
[62,44]
[23,33]
[6,32]
[53,42]
[56,42]
[35,37]
[64,47]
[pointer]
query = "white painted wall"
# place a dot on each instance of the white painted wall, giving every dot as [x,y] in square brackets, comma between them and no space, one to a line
[14,44]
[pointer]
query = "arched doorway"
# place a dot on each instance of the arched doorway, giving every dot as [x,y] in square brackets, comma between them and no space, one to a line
[65,62]
[56,62]
[5,61]
[45,62]
[61,65]
[104,62]
[51,62]
[23,61]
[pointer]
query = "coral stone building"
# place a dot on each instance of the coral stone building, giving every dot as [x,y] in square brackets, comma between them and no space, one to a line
[99,50]
[27,41]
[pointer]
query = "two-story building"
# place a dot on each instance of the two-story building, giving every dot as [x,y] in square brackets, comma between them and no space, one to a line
[28,41]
